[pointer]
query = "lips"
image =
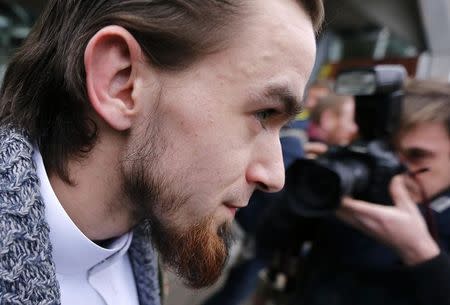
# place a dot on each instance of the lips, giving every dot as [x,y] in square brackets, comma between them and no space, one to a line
[237,200]
[236,204]
[233,211]
[233,207]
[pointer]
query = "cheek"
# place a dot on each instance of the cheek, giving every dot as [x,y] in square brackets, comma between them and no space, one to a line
[445,169]
[436,180]
[209,149]
[208,145]
[207,161]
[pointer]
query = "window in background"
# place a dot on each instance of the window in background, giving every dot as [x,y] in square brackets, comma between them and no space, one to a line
[371,42]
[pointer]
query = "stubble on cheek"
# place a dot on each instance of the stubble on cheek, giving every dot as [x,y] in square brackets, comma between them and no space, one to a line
[197,253]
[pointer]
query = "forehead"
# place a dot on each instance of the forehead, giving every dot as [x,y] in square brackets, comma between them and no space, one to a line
[427,136]
[272,46]
[275,43]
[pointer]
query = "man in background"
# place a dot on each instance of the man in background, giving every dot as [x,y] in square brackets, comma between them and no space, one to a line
[417,227]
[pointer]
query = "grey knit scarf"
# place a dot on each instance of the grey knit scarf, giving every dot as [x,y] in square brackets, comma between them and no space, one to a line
[27,271]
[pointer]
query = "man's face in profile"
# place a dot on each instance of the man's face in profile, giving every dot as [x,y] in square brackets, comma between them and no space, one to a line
[427,145]
[213,137]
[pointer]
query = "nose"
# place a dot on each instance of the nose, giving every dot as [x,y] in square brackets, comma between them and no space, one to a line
[266,169]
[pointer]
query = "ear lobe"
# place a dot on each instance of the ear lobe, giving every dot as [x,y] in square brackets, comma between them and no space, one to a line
[109,61]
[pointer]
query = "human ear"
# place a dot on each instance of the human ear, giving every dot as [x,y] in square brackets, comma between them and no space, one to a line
[110,58]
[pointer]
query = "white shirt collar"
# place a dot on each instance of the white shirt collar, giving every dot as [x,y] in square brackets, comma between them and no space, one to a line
[73,252]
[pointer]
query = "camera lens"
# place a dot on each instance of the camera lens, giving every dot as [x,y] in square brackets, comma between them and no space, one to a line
[318,185]
[314,188]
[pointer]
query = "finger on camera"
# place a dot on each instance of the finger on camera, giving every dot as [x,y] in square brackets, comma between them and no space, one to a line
[364,209]
[366,222]
[315,148]
[400,194]
[358,206]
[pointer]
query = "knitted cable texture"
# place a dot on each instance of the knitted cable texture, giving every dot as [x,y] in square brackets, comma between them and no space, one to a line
[145,265]
[27,271]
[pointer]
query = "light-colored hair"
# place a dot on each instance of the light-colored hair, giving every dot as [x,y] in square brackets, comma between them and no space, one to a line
[331,102]
[425,101]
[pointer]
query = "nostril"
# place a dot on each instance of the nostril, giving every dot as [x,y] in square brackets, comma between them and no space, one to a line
[263,187]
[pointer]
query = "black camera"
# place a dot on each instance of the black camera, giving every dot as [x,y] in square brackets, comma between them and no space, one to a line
[364,168]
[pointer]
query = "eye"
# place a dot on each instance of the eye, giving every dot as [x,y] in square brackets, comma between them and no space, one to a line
[415,154]
[266,114]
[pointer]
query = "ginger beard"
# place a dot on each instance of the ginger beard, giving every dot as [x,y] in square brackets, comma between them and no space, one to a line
[197,253]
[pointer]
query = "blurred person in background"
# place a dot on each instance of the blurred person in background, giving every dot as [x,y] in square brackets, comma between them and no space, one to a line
[134,125]
[332,120]
[317,90]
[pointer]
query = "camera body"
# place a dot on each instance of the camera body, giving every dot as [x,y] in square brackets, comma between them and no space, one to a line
[364,168]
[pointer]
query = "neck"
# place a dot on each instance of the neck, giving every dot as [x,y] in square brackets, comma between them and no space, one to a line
[94,201]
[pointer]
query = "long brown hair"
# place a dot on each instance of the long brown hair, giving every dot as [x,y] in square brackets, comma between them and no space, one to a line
[44,89]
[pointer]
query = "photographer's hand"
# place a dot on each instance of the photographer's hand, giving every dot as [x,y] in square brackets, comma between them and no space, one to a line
[314,149]
[401,226]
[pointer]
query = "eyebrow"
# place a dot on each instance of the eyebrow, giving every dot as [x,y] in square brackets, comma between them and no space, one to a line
[292,103]
[415,150]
